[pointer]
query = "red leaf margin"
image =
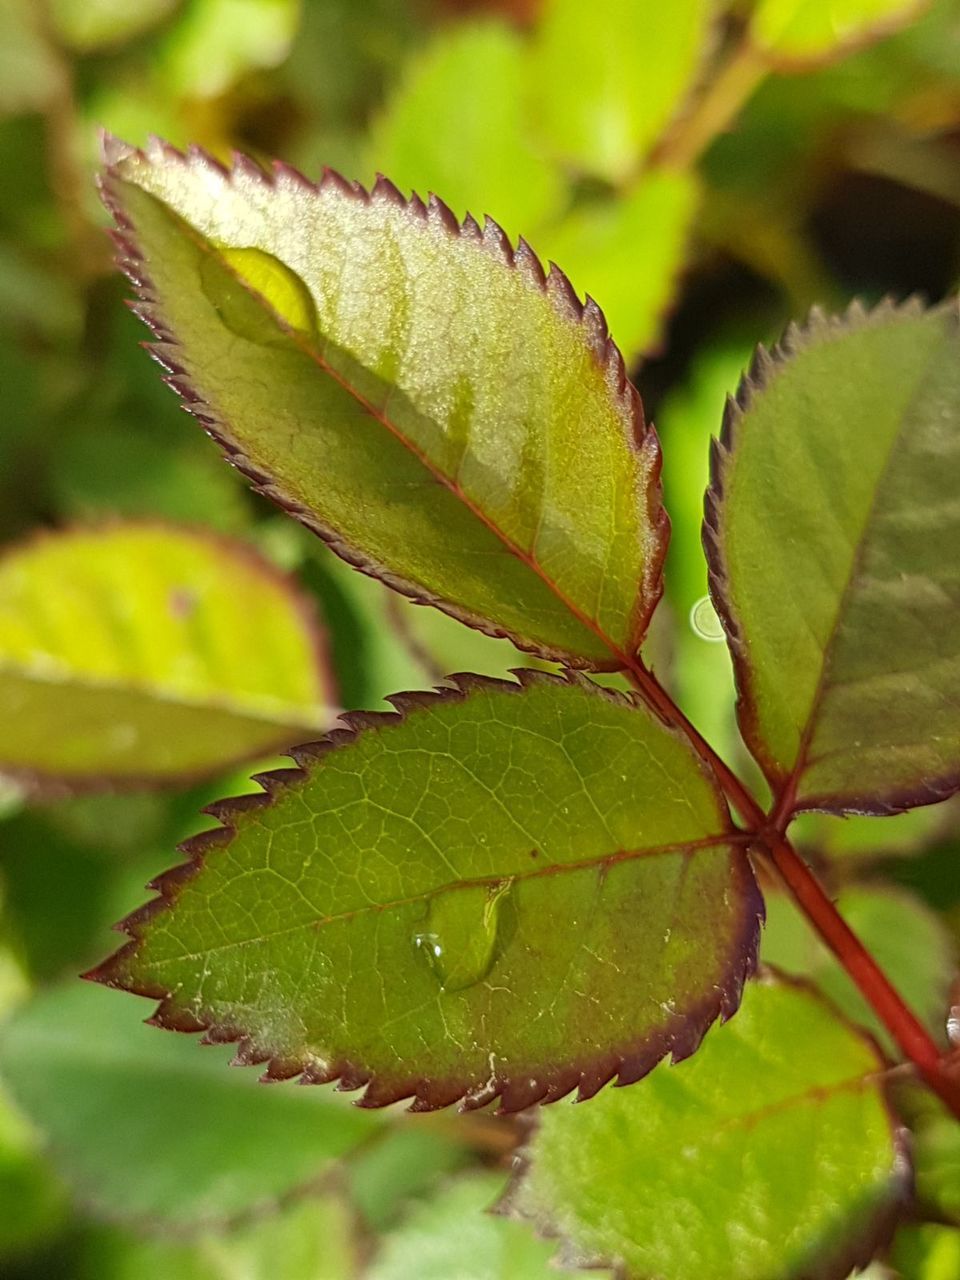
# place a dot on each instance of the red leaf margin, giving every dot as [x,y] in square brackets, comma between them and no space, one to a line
[491,239]
[765,365]
[48,786]
[679,1039]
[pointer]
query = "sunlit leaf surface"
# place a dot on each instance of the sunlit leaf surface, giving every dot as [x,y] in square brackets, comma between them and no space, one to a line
[458,125]
[770,1155]
[833,530]
[807,31]
[414,392]
[607,83]
[139,652]
[509,891]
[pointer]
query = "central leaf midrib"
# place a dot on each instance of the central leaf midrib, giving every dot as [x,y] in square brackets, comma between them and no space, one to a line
[790,783]
[307,349]
[602,861]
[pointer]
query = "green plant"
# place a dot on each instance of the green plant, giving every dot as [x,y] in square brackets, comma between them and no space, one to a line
[507,891]
[705,171]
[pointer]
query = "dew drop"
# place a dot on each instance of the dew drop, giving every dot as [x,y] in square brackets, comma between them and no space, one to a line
[458,939]
[240,311]
[704,621]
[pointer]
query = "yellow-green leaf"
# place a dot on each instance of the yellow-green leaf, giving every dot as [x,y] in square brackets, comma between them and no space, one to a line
[146,652]
[811,31]
[414,391]
[605,84]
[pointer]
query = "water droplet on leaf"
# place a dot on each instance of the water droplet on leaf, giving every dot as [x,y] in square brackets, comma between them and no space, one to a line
[458,939]
[277,284]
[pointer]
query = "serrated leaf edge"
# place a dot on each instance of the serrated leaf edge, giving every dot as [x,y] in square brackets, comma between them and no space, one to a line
[680,1039]
[837,1264]
[764,367]
[554,284]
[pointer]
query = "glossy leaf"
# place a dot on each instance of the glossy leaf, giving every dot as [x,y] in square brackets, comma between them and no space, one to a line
[834,537]
[147,1128]
[606,86]
[311,1239]
[627,253]
[770,1155]
[454,1235]
[810,31]
[133,652]
[509,890]
[472,146]
[907,940]
[404,386]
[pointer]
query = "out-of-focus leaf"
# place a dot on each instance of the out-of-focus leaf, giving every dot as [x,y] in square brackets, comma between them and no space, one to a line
[122,471]
[143,651]
[91,25]
[453,1235]
[906,938]
[700,676]
[29,72]
[216,42]
[458,125]
[508,890]
[834,537]
[927,1251]
[31,1201]
[805,31]
[605,85]
[404,387]
[895,835]
[312,1239]
[31,1198]
[148,1128]
[384,1176]
[771,1153]
[627,251]
[936,1137]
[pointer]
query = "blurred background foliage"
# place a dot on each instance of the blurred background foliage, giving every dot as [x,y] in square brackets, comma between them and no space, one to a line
[707,171]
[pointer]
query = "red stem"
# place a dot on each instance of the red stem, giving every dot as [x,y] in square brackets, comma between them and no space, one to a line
[909,1034]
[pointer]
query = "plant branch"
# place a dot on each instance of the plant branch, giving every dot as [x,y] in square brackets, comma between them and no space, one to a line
[910,1035]
[721,103]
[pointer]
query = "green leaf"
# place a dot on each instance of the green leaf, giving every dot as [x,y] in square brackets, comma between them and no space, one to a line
[811,31]
[908,941]
[454,1235]
[309,1240]
[604,87]
[833,532]
[147,1128]
[135,652]
[219,41]
[508,890]
[627,251]
[770,1155]
[404,386]
[29,73]
[91,25]
[926,1252]
[471,145]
